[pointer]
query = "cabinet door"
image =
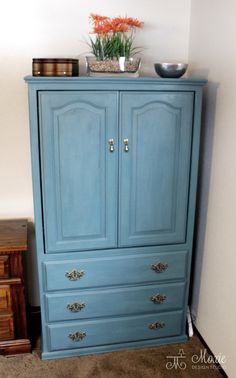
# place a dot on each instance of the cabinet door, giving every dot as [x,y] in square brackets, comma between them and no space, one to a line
[154,172]
[79,172]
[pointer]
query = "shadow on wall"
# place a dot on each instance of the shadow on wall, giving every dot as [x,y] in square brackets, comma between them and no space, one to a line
[32,290]
[205,164]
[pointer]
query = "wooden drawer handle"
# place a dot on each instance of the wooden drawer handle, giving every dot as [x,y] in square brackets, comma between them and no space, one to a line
[74,275]
[159,268]
[75,307]
[156,325]
[77,336]
[158,298]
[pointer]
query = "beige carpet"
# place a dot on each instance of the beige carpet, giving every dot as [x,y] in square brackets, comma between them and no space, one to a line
[141,363]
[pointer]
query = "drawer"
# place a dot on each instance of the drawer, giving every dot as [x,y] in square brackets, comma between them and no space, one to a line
[113,302]
[116,270]
[5,298]
[4,267]
[114,330]
[6,327]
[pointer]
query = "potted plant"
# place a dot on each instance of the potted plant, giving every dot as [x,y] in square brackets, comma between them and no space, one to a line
[112,45]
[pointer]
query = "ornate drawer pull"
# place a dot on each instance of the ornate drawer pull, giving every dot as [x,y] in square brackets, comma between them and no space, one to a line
[156,325]
[74,275]
[77,336]
[159,268]
[75,307]
[158,298]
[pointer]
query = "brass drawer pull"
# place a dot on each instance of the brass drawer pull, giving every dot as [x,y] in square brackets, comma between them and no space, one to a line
[75,307]
[74,275]
[158,298]
[77,336]
[159,268]
[156,325]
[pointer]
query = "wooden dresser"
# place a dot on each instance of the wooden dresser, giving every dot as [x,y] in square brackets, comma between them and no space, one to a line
[13,325]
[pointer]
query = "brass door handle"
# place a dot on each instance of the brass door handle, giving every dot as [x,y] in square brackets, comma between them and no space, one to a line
[126,145]
[111,145]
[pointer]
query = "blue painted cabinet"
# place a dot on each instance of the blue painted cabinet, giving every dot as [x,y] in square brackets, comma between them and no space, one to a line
[114,175]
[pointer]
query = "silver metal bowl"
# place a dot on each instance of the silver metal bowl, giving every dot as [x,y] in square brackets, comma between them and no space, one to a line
[171,70]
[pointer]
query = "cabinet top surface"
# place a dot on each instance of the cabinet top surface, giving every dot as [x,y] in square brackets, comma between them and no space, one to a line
[116,82]
[13,235]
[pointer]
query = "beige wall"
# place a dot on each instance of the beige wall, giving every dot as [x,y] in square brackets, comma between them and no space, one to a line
[31,28]
[212,54]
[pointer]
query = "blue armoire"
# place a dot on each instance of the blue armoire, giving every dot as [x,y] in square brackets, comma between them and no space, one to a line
[114,176]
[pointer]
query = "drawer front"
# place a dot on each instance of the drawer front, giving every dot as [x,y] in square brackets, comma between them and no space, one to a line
[111,302]
[117,270]
[4,267]
[5,298]
[116,330]
[6,327]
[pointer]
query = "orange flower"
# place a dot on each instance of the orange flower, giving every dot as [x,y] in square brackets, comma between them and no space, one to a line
[122,28]
[118,25]
[128,21]
[134,22]
[95,18]
[103,25]
[102,28]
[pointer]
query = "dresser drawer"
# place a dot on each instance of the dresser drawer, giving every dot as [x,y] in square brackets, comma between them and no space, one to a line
[116,270]
[115,330]
[113,302]
[6,327]
[4,267]
[5,298]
